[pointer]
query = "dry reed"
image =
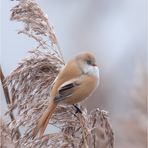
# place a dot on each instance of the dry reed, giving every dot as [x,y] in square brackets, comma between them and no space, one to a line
[5,136]
[29,86]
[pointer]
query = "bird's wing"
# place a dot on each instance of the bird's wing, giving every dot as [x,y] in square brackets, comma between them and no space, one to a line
[66,90]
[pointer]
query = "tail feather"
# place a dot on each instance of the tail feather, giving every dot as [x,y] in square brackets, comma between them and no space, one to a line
[43,121]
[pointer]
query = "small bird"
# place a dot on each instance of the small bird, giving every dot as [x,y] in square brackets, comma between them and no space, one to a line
[74,83]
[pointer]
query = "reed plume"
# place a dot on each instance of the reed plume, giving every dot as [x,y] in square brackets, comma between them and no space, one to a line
[29,87]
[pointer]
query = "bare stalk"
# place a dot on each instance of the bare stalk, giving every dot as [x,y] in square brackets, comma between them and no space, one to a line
[8,100]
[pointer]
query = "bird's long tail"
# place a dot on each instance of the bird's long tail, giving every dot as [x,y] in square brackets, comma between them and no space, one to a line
[43,121]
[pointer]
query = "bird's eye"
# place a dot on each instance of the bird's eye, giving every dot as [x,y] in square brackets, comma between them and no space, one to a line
[89,62]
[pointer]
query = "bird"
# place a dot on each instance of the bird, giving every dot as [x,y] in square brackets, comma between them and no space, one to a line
[76,81]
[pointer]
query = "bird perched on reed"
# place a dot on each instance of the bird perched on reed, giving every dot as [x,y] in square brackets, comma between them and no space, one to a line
[74,83]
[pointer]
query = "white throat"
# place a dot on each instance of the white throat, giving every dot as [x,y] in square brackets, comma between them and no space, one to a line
[91,70]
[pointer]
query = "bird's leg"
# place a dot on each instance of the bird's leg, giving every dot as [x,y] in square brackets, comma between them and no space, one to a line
[78,110]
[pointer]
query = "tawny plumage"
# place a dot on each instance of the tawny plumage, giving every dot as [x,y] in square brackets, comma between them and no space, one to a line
[75,82]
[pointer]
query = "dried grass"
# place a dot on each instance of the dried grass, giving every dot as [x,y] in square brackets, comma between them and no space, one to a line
[5,136]
[36,25]
[29,86]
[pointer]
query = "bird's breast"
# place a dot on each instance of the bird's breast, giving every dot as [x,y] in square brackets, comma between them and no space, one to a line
[87,86]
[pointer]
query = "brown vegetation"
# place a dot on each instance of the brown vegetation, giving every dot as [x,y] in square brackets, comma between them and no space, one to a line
[29,86]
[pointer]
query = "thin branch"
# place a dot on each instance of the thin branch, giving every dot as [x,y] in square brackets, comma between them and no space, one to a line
[8,100]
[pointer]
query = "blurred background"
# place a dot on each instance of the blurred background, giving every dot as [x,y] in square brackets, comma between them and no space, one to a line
[115,31]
